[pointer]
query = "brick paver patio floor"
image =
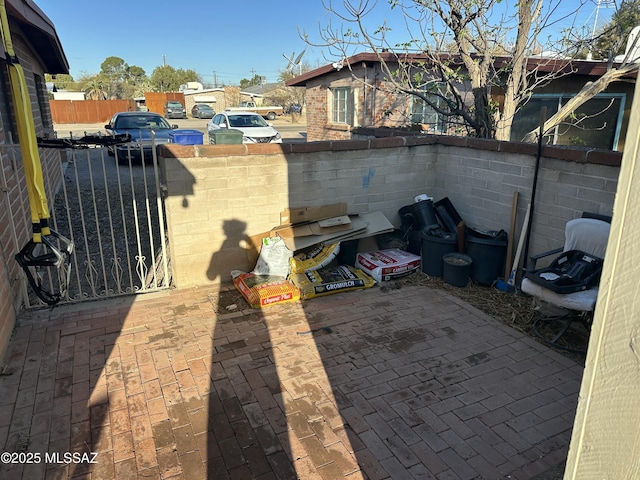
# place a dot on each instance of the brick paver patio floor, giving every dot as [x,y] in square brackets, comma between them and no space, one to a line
[408,383]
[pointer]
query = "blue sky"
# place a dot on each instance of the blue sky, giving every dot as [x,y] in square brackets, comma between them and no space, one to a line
[234,39]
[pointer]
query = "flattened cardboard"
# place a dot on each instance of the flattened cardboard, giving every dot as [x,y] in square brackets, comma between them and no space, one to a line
[314,228]
[292,216]
[333,221]
[363,225]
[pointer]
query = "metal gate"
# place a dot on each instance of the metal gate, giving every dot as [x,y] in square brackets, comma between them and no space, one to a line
[112,209]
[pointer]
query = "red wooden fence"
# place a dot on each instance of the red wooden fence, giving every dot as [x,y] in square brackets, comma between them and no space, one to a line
[88,111]
[100,111]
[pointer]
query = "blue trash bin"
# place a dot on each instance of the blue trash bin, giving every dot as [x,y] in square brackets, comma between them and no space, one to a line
[186,137]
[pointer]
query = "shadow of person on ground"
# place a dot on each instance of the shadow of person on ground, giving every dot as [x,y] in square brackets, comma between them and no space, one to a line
[245,399]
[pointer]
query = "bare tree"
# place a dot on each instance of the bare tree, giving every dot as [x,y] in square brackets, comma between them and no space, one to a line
[457,56]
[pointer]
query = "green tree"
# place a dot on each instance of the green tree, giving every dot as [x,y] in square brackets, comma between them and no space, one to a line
[136,74]
[119,79]
[61,81]
[95,87]
[612,39]
[168,79]
[246,82]
[114,69]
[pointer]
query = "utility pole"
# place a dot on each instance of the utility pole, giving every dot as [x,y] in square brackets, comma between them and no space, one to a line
[215,79]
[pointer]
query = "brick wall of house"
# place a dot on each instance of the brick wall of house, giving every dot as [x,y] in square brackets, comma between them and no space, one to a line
[370,106]
[15,218]
[219,195]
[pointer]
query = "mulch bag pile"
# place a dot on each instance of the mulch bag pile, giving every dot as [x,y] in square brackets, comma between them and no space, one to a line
[282,276]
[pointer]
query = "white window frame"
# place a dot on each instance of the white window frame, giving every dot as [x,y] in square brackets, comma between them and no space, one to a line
[340,105]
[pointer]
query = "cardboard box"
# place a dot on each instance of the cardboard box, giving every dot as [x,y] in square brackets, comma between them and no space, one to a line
[291,216]
[385,265]
[327,226]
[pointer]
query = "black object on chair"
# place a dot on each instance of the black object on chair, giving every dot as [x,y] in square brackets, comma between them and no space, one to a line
[570,281]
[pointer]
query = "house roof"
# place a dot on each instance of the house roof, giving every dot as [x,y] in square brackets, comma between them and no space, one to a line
[187,93]
[41,32]
[261,90]
[542,64]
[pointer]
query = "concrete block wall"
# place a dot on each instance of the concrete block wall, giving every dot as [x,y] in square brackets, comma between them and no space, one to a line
[480,177]
[220,195]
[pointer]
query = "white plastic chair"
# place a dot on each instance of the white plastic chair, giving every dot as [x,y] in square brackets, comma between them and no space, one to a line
[589,235]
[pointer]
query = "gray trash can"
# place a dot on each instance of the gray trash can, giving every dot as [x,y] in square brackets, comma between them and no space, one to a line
[225,136]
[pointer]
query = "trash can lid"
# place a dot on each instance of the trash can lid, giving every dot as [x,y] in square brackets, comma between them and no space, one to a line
[184,132]
[495,235]
[438,233]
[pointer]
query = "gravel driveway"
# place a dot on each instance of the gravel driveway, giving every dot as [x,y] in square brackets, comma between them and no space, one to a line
[110,212]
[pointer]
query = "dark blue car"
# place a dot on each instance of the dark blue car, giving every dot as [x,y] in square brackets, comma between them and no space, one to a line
[140,126]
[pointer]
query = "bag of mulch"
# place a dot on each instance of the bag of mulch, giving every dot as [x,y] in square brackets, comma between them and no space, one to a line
[314,258]
[329,280]
[264,290]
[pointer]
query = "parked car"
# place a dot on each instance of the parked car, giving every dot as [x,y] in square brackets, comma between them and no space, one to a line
[270,112]
[254,128]
[139,125]
[174,109]
[202,111]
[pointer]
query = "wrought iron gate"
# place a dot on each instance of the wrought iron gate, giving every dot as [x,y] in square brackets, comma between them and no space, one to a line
[113,211]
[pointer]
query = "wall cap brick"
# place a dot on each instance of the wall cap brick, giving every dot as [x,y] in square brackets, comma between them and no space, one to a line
[371,139]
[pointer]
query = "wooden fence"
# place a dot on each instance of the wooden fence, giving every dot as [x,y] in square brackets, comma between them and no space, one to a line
[100,111]
[155,100]
[88,111]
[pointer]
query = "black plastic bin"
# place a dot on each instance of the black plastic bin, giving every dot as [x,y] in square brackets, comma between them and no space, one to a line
[435,244]
[488,251]
[424,214]
[448,215]
[410,230]
[348,252]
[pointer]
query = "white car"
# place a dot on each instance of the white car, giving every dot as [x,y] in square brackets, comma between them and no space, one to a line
[254,128]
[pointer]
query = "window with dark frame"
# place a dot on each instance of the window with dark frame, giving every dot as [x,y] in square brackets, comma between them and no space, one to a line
[597,123]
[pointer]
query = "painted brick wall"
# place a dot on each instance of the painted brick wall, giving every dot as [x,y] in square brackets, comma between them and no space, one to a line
[15,217]
[219,195]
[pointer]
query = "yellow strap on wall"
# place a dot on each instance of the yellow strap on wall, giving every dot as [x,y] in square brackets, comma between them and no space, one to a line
[27,135]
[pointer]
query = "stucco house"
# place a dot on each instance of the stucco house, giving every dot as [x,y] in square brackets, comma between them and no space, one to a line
[39,51]
[347,95]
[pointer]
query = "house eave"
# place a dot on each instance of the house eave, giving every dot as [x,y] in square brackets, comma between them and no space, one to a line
[41,33]
[547,65]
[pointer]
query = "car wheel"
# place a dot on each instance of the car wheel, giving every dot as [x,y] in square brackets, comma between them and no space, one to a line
[271,116]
